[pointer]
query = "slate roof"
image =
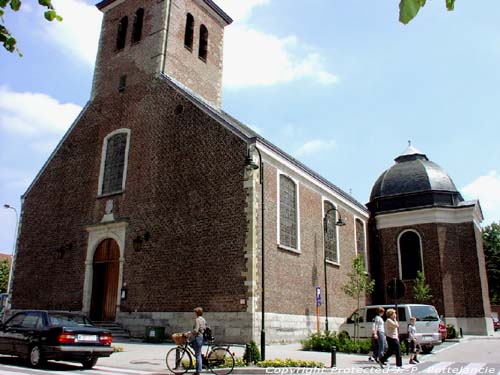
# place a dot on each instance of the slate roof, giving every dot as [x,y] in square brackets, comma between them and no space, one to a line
[210,3]
[412,173]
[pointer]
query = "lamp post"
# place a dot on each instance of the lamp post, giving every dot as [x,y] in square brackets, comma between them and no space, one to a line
[250,165]
[9,285]
[339,223]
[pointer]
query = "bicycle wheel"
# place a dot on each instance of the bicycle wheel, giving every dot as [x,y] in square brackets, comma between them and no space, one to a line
[179,360]
[220,360]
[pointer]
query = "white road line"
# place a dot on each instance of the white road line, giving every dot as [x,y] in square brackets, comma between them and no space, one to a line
[446,348]
[472,368]
[437,368]
[121,370]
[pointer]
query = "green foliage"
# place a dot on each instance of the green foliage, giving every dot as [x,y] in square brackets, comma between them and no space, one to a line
[421,290]
[323,342]
[290,363]
[4,275]
[451,332]
[252,353]
[359,284]
[408,9]
[6,38]
[491,241]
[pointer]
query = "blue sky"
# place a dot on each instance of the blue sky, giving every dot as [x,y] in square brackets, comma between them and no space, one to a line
[341,85]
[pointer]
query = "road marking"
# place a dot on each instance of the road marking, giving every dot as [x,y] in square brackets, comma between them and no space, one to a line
[437,368]
[122,370]
[472,368]
[446,348]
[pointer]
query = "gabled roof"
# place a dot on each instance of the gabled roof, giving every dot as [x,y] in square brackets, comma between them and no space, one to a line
[104,3]
[250,136]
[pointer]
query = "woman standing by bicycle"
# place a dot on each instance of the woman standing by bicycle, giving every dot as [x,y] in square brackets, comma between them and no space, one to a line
[200,324]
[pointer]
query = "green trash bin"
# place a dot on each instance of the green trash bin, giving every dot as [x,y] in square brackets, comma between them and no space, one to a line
[155,334]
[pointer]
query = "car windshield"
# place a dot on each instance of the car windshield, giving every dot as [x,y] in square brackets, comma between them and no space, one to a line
[424,313]
[69,320]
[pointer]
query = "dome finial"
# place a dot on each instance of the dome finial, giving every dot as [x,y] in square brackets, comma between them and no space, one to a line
[409,143]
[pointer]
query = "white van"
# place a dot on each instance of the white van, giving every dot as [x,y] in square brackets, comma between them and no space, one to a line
[427,324]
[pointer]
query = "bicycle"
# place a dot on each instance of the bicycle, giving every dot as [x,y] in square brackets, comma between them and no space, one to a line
[217,358]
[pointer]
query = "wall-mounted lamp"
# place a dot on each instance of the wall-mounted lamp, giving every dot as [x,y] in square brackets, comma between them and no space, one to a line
[139,240]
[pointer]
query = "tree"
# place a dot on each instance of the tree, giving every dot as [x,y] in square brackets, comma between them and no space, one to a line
[4,275]
[408,9]
[421,290]
[358,286]
[6,38]
[491,241]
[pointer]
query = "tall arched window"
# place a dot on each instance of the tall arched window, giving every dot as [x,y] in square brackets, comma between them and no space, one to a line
[360,241]
[410,255]
[114,162]
[189,32]
[137,28]
[122,33]
[330,231]
[288,213]
[203,49]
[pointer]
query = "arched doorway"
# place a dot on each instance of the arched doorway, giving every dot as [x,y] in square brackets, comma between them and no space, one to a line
[106,266]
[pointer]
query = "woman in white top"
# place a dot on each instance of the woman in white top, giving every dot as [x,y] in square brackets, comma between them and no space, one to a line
[392,334]
[197,333]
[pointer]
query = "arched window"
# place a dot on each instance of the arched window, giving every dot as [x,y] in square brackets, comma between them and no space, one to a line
[114,162]
[203,49]
[137,28]
[189,32]
[360,240]
[288,213]
[410,255]
[330,231]
[122,33]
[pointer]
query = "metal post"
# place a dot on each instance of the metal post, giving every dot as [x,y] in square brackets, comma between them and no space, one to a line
[14,258]
[334,357]
[177,358]
[325,226]
[461,333]
[248,355]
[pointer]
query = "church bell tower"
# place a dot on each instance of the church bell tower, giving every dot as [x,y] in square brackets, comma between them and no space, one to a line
[181,39]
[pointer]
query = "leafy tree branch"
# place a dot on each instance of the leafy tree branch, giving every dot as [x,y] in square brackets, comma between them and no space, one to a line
[6,38]
[408,9]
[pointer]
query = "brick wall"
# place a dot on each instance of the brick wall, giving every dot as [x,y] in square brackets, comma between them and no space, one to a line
[451,266]
[184,186]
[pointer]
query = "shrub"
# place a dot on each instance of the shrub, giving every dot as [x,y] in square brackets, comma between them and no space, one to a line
[289,363]
[323,342]
[252,353]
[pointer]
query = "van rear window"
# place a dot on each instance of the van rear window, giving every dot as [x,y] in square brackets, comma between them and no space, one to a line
[424,313]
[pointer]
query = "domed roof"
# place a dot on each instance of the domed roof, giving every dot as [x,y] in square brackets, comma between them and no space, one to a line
[412,175]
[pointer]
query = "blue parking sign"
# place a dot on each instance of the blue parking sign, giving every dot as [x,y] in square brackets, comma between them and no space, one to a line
[318,296]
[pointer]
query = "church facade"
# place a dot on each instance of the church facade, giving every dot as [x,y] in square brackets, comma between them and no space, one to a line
[157,201]
[151,204]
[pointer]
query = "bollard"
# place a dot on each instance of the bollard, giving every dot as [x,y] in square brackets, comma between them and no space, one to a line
[461,333]
[248,354]
[334,357]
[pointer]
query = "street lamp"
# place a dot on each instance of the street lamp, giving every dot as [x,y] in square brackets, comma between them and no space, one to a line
[339,223]
[250,165]
[9,285]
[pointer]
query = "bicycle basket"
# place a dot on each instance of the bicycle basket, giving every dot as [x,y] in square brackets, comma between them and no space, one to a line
[179,338]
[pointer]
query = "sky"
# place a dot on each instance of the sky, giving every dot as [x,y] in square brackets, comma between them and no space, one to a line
[340,85]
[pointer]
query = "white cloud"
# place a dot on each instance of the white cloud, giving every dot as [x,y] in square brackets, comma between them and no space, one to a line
[240,10]
[34,114]
[254,58]
[487,190]
[78,34]
[316,146]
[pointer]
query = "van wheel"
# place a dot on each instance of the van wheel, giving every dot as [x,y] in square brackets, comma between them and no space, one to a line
[344,334]
[427,349]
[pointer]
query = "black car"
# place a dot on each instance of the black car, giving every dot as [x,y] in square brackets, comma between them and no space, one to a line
[39,336]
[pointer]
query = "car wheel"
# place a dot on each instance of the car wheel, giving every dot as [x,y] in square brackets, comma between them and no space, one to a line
[427,349]
[35,356]
[88,364]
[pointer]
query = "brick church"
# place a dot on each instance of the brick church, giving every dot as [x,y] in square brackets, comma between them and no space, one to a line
[157,201]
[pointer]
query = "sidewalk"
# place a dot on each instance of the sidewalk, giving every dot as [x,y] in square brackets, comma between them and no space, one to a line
[151,357]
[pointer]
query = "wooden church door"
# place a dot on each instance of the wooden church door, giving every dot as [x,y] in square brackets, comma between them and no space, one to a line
[106,267]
